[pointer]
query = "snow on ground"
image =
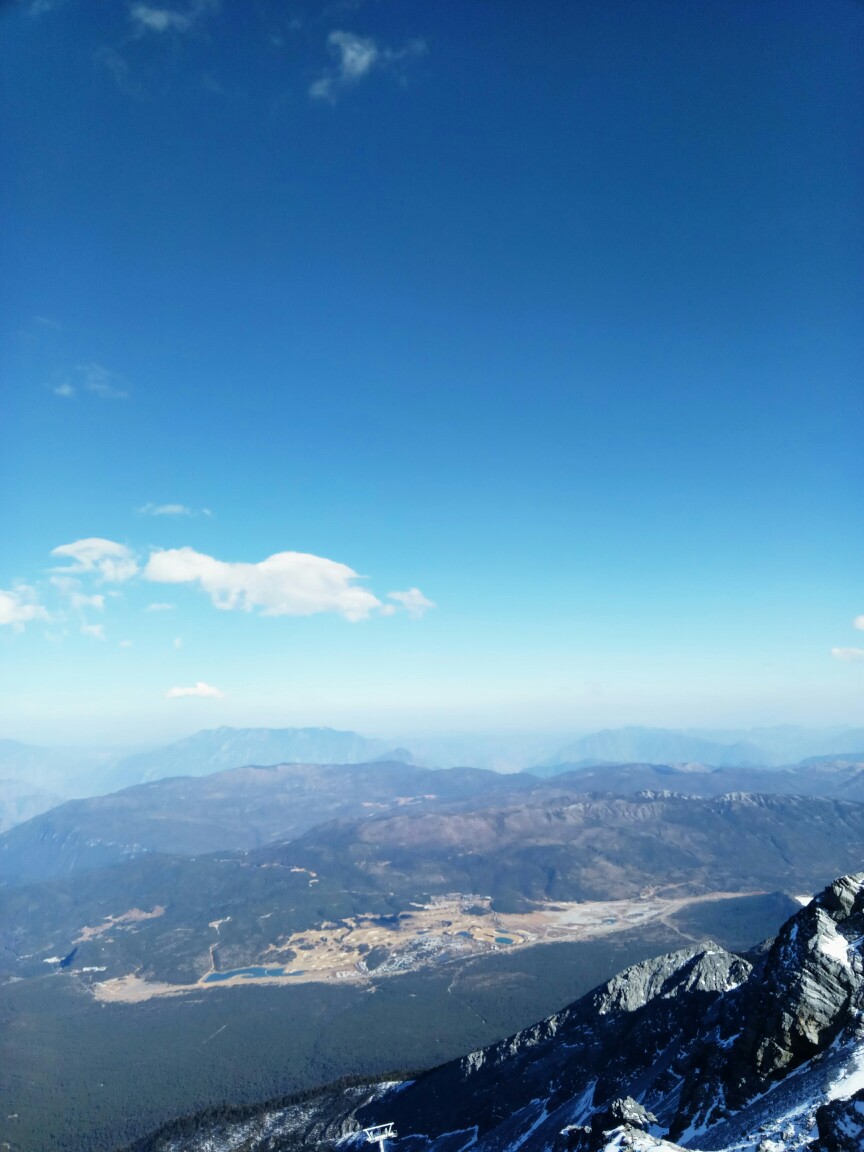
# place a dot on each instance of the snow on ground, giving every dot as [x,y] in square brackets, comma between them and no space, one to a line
[835,946]
[850,1080]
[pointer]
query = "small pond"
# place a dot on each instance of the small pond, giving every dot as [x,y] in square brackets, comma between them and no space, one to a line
[249,974]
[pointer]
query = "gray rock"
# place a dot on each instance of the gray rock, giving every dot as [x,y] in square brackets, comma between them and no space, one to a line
[840,1125]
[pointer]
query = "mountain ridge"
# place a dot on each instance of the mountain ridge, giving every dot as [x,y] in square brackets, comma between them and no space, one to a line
[68,772]
[217,749]
[234,810]
[733,749]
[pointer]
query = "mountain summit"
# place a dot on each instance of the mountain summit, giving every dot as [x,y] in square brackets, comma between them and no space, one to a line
[217,749]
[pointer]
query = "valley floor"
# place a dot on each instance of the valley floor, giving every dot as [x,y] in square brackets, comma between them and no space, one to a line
[448,927]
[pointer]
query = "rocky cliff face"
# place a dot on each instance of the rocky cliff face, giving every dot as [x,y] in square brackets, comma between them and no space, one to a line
[803,999]
[698,1049]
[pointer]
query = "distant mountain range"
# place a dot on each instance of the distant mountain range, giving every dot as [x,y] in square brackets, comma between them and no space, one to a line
[758,747]
[20,801]
[246,808]
[234,810]
[216,749]
[840,776]
[56,770]
[33,778]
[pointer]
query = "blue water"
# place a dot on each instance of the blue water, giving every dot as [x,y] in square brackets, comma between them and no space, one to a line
[249,973]
[503,940]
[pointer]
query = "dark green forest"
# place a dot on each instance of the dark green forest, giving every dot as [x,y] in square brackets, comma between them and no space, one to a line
[75,1074]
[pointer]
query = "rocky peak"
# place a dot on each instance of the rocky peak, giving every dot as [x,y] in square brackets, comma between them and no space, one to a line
[811,981]
[622,1117]
[840,1125]
[688,970]
[844,898]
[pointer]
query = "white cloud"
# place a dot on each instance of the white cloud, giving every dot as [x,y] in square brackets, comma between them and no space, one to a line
[287,584]
[413,601]
[158,19]
[149,18]
[356,55]
[858,622]
[322,89]
[354,58]
[101,382]
[19,606]
[70,587]
[178,642]
[106,559]
[848,653]
[80,601]
[91,377]
[169,510]
[200,689]
[66,584]
[97,631]
[125,644]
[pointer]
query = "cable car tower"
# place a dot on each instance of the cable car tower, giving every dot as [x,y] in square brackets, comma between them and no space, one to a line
[380,1134]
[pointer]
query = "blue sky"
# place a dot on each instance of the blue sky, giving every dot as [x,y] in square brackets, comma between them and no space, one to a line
[525,338]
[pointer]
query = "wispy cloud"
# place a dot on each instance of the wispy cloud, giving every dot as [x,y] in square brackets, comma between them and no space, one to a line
[40,7]
[93,378]
[107,385]
[356,57]
[858,622]
[160,607]
[80,601]
[110,561]
[152,18]
[171,510]
[199,689]
[849,654]
[158,19]
[413,601]
[20,606]
[116,63]
[150,22]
